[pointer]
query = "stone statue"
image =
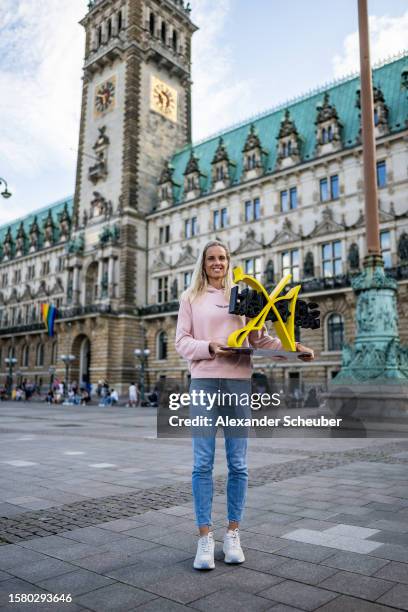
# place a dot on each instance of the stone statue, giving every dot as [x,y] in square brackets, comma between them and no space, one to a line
[354,257]
[174,290]
[308,265]
[403,248]
[269,272]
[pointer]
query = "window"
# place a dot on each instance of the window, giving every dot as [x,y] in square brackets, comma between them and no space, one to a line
[331,259]
[381,174]
[385,242]
[190,183]
[152,24]
[17,277]
[100,35]
[174,40]
[4,280]
[161,345]
[219,173]
[251,161]
[290,263]
[45,269]
[224,217]
[25,355]
[30,272]
[163,32]
[164,234]
[163,290]
[109,28]
[39,361]
[216,219]
[120,21]
[288,199]
[187,279]
[190,227]
[333,193]
[376,117]
[253,267]
[253,210]
[60,264]
[335,332]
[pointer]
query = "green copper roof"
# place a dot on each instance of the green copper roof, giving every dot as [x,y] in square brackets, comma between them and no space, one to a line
[303,112]
[56,208]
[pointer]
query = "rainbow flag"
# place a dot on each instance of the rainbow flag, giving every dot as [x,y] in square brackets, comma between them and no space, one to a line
[49,314]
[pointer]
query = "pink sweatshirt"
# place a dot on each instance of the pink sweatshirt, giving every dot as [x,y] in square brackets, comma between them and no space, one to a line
[207,320]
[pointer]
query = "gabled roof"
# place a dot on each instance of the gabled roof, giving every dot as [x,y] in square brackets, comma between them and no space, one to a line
[303,111]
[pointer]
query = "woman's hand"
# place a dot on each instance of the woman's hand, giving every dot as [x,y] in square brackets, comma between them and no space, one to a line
[215,349]
[304,349]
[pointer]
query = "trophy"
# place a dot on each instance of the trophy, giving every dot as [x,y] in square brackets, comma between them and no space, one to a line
[285,310]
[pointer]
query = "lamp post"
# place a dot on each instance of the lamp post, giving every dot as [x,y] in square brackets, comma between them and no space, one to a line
[10,362]
[5,193]
[67,359]
[142,355]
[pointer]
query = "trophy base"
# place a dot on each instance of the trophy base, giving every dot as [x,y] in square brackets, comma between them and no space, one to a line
[278,355]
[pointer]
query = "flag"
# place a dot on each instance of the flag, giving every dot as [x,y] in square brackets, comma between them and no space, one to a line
[49,314]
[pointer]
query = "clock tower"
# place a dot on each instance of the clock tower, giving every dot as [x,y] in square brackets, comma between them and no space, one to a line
[136,111]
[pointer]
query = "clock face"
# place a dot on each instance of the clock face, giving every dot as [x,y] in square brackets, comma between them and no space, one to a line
[105,97]
[164,99]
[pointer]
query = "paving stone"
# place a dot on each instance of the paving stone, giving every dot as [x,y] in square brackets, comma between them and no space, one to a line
[12,556]
[392,552]
[263,542]
[163,556]
[105,562]
[229,600]
[93,535]
[16,585]
[77,582]
[345,603]
[357,585]
[311,573]
[354,562]
[246,580]
[117,597]
[5,576]
[258,560]
[270,529]
[333,541]
[398,572]
[397,597]
[351,531]
[143,573]
[47,568]
[389,537]
[160,604]
[292,593]
[306,552]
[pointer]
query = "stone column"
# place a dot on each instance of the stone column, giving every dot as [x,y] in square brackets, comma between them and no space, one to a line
[100,276]
[111,277]
[75,287]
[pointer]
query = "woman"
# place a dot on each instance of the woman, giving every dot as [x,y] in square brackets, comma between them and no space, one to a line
[203,327]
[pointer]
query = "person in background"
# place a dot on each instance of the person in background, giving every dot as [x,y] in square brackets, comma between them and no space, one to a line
[114,396]
[132,395]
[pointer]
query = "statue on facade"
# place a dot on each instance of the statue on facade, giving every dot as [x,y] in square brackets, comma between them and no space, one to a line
[354,257]
[174,290]
[403,248]
[308,265]
[269,273]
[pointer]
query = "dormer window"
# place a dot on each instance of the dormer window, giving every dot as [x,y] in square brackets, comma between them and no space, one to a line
[288,143]
[192,175]
[328,128]
[221,164]
[253,155]
[380,112]
[166,186]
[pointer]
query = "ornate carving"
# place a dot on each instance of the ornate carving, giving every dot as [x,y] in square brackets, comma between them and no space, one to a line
[100,206]
[49,229]
[76,245]
[328,127]
[109,235]
[403,248]
[34,233]
[64,223]
[174,290]
[221,153]
[8,245]
[288,142]
[354,257]
[287,126]
[21,239]
[99,170]
[252,141]
[192,165]
[308,265]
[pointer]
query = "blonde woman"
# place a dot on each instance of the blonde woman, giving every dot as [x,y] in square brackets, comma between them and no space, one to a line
[203,327]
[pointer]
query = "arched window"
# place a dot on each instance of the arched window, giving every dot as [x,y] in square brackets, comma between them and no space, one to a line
[174,40]
[335,332]
[152,24]
[330,133]
[289,147]
[54,353]
[162,345]
[163,32]
[39,360]
[324,136]
[25,355]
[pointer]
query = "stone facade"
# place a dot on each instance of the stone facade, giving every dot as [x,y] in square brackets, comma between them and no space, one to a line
[285,191]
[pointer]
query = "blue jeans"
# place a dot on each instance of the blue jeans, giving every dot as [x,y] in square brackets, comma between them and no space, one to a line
[236,443]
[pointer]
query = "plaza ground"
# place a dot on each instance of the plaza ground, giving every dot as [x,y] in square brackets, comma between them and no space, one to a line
[92,504]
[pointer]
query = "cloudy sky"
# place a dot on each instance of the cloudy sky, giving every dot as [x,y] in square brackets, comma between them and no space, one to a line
[247,57]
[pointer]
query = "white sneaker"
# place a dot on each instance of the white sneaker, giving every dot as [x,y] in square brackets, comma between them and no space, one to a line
[232,547]
[204,558]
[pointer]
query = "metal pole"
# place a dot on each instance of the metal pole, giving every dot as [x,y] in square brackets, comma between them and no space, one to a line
[66,379]
[142,390]
[368,137]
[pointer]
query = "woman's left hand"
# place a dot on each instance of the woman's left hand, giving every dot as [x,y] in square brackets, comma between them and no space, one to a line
[304,349]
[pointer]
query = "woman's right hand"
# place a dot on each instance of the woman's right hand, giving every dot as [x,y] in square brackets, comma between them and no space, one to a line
[216,349]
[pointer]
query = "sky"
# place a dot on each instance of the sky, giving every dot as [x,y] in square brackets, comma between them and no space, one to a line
[247,57]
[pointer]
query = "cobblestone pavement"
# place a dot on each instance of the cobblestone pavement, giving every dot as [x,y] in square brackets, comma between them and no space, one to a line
[93,505]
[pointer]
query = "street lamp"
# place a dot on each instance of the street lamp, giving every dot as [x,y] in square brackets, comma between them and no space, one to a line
[6,193]
[142,355]
[10,362]
[67,359]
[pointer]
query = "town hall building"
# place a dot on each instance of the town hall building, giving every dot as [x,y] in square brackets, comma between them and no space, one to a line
[284,190]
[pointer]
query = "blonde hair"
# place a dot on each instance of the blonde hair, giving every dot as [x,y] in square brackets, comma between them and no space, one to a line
[199,280]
